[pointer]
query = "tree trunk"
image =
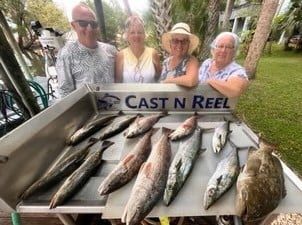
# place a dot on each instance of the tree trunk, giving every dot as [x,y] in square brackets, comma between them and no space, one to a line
[261,35]
[101,18]
[227,15]
[15,47]
[128,9]
[213,18]
[16,81]
[161,12]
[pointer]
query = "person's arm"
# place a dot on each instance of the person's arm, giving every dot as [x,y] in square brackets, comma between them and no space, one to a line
[233,87]
[190,79]
[157,64]
[119,67]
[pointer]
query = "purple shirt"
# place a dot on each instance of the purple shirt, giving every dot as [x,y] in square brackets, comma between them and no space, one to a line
[231,70]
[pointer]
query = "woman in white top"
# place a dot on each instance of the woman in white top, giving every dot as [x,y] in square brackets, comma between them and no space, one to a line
[137,63]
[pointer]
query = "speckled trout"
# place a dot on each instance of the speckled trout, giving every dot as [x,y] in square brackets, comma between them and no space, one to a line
[185,128]
[143,124]
[150,183]
[118,125]
[182,164]
[61,170]
[94,124]
[129,166]
[79,177]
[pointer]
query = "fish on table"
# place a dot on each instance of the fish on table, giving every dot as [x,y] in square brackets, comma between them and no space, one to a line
[129,166]
[220,136]
[223,178]
[80,176]
[260,185]
[61,170]
[118,125]
[95,123]
[186,128]
[150,182]
[143,124]
[182,164]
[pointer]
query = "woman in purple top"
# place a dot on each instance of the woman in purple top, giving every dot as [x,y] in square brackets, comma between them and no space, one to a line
[221,71]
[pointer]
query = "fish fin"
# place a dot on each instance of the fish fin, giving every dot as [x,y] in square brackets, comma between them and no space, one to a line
[3,158]
[146,168]
[124,216]
[120,113]
[219,179]
[127,159]
[166,130]
[201,150]
[178,165]
[92,141]
[106,144]
[125,134]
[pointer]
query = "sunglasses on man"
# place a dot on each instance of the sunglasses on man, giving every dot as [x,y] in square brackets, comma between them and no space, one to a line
[84,23]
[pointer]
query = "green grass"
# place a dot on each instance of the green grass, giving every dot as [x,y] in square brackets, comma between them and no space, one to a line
[272,105]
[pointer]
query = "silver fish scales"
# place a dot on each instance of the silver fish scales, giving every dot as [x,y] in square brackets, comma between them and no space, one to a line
[150,183]
[220,136]
[224,177]
[182,164]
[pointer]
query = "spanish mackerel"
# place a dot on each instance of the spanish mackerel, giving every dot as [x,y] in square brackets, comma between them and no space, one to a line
[220,136]
[224,177]
[185,128]
[150,182]
[260,185]
[79,177]
[57,173]
[128,167]
[94,124]
[182,164]
[118,125]
[143,124]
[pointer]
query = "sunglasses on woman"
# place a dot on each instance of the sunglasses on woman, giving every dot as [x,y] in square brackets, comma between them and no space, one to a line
[84,23]
[176,41]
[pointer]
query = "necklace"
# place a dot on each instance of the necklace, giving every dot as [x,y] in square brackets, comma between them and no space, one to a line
[137,75]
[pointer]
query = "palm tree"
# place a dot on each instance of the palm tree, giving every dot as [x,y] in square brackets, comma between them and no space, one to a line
[211,30]
[261,35]
[161,11]
[227,14]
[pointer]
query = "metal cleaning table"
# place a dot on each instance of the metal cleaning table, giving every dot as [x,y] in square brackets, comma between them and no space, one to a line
[32,153]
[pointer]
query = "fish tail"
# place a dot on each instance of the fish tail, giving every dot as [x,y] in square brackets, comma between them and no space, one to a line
[53,203]
[166,130]
[154,130]
[92,141]
[106,144]
[124,216]
[164,113]
[3,159]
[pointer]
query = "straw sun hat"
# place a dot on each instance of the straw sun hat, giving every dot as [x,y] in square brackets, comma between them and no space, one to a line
[180,28]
